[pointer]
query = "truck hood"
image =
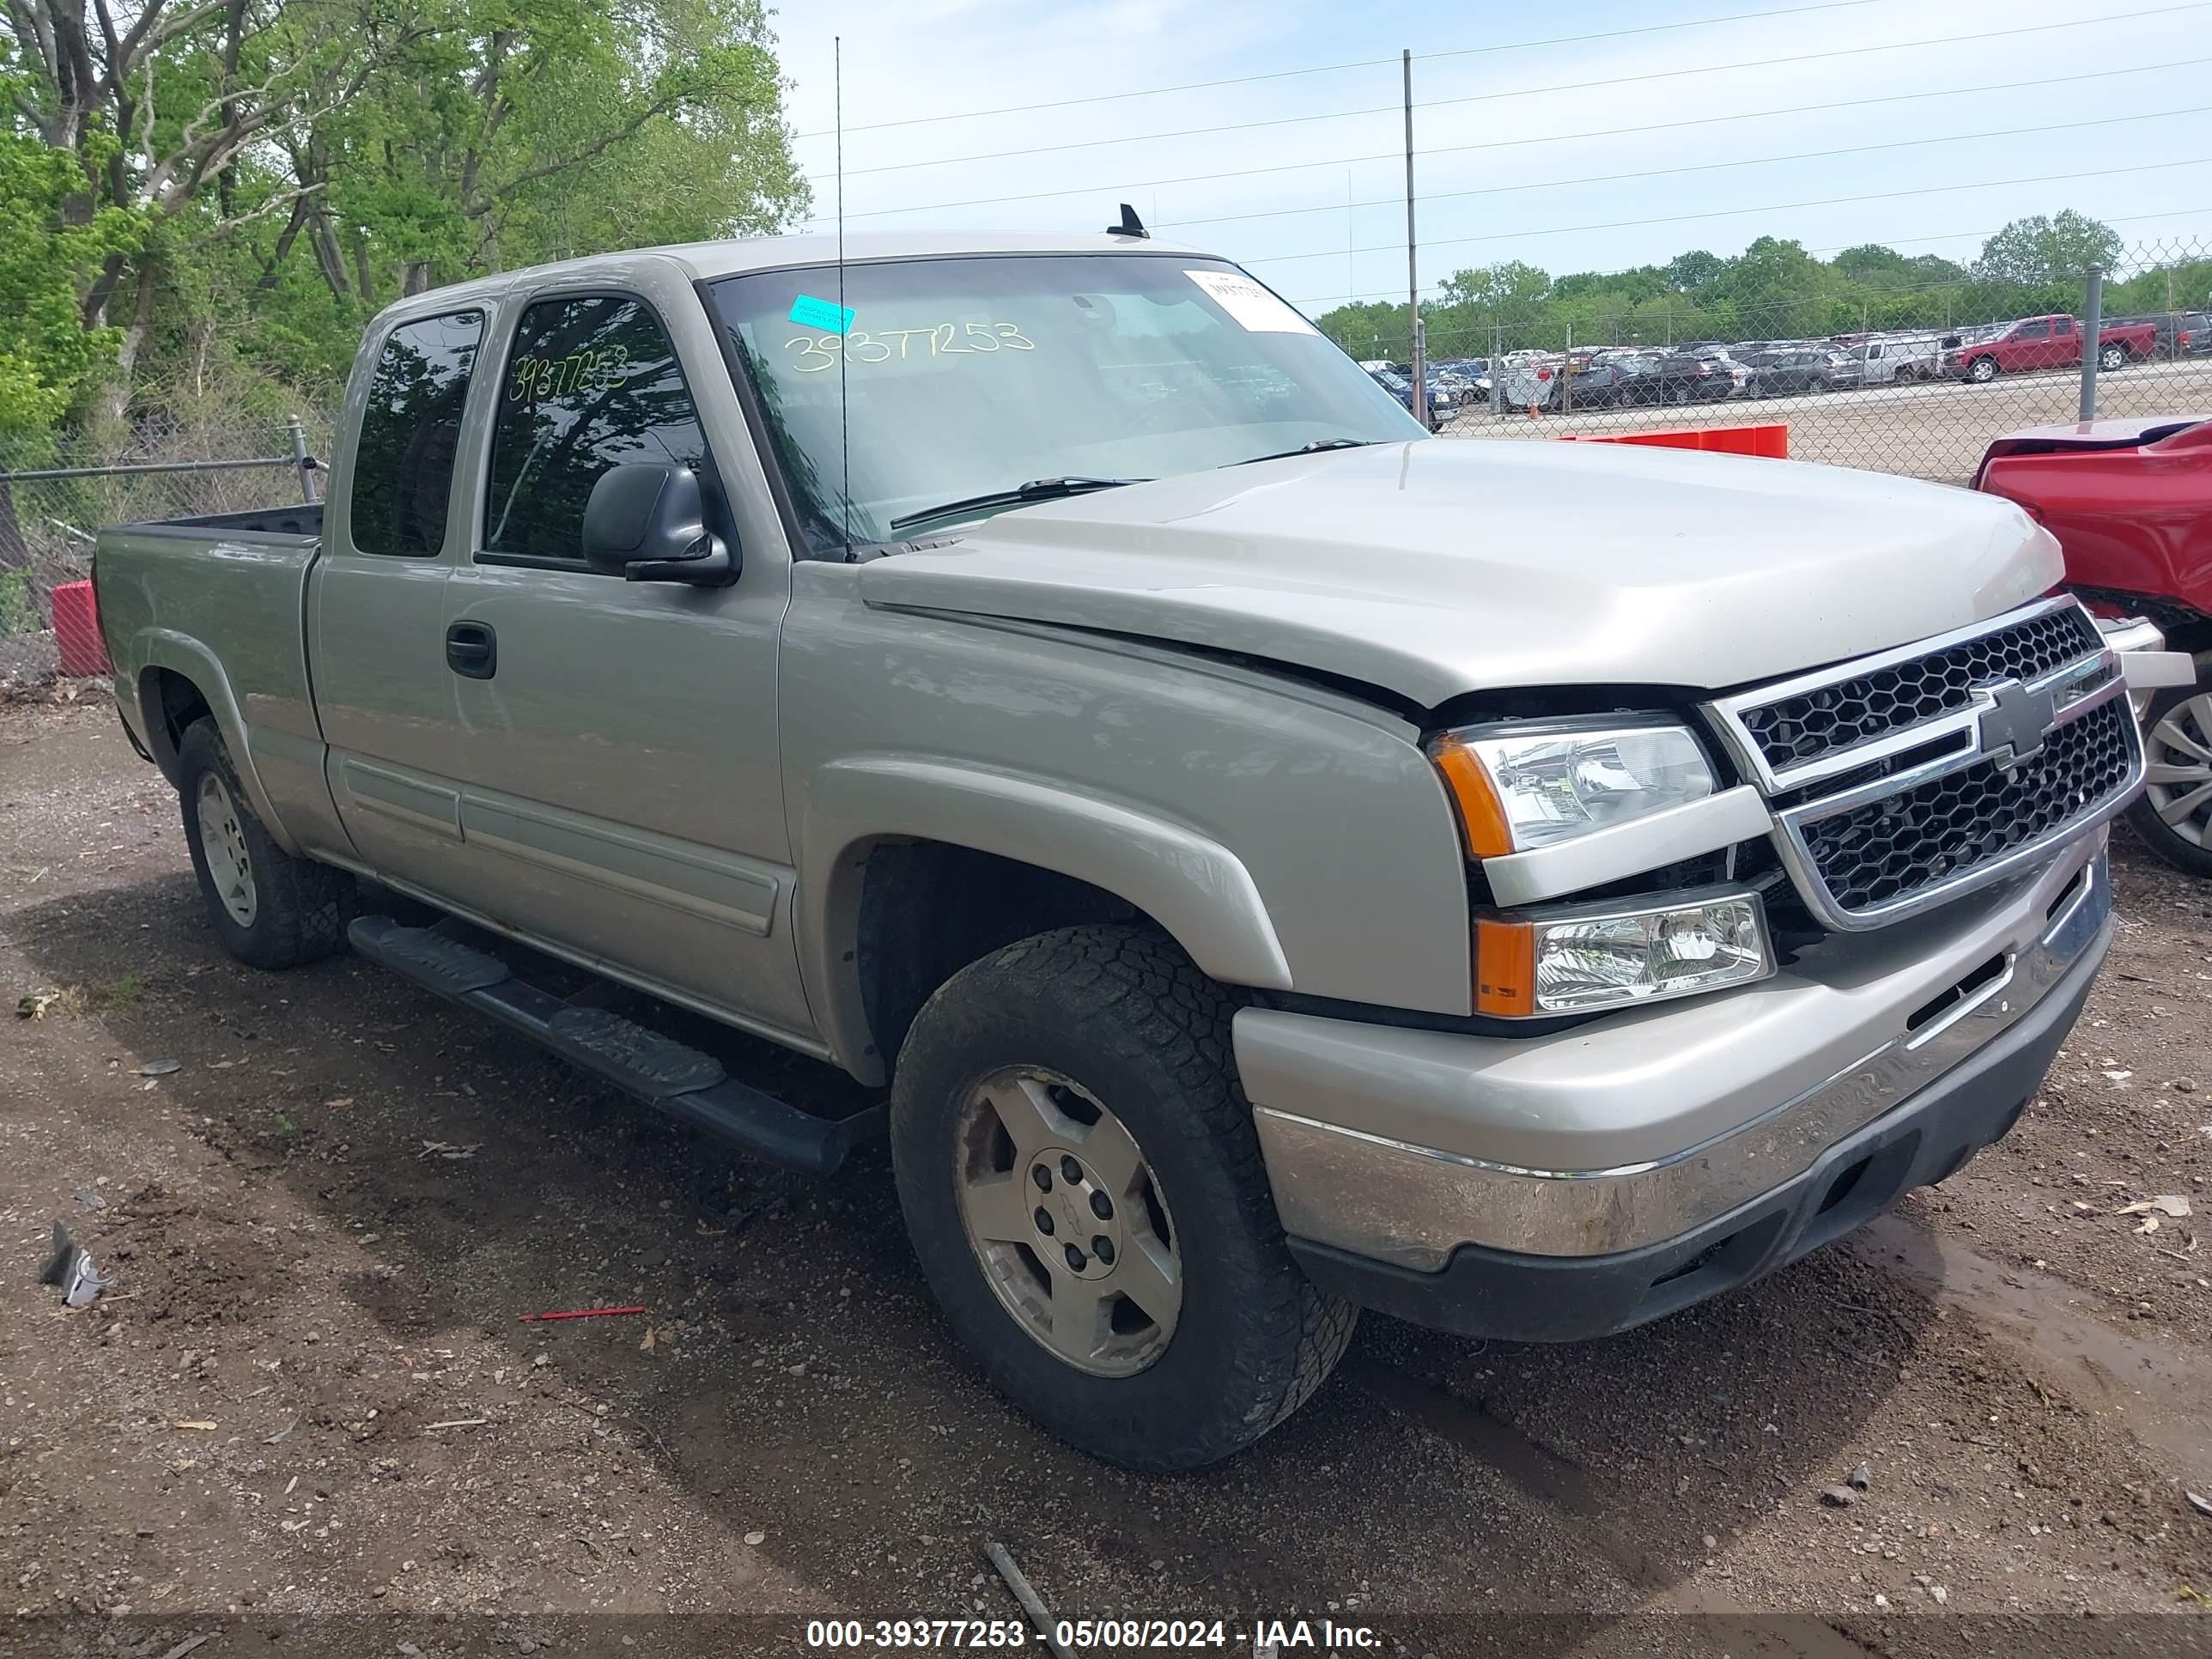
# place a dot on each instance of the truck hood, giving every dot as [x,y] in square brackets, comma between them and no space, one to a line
[1434,568]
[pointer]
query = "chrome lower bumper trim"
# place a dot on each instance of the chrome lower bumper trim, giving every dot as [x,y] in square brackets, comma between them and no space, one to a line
[1414,1205]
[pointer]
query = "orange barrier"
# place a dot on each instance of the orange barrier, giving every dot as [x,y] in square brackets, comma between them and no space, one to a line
[1771,442]
[76,631]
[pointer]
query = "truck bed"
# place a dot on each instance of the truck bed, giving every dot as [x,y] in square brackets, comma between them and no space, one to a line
[301,520]
[218,602]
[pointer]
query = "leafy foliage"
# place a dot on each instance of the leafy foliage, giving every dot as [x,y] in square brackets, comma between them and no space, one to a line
[1773,289]
[206,199]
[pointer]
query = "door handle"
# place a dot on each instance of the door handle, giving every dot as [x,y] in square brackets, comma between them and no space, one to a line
[472,650]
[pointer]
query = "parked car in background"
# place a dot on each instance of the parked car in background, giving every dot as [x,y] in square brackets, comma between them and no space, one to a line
[2179,333]
[2130,503]
[2050,342]
[1608,384]
[1775,371]
[1692,379]
[1887,359]
[1443,404]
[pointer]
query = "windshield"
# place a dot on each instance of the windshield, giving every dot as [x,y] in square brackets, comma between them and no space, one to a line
[969,377]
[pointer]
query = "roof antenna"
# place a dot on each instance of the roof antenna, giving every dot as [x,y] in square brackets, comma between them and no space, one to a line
[845,332]
[1131,225]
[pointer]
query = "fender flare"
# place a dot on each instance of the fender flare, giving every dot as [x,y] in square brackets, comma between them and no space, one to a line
[179,653]
[1193,886]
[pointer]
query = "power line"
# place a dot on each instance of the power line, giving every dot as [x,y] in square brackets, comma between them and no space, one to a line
[1331,69]
[1702,166]
[1391,295]
[1727,213]
[1531,92]
[1558,138]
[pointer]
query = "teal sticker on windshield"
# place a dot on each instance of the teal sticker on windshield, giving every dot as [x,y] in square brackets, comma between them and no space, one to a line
[809,313]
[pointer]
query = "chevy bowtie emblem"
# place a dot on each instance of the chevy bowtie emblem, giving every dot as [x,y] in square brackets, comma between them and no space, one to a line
[2014,725]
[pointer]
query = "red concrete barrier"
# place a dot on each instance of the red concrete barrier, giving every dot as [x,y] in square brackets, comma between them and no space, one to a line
[1771,441]
[76,631]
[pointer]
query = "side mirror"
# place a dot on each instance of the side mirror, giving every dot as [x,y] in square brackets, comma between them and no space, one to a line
[647,523]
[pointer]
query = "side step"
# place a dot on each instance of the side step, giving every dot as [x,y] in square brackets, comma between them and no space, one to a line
[680,1080]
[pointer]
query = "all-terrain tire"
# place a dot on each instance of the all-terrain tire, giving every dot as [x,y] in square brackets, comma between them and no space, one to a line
[1124,1015]
[285,911]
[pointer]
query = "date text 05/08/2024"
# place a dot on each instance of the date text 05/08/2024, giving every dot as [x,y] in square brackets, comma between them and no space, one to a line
[1268,1638]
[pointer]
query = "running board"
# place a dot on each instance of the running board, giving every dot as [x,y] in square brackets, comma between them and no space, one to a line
[681,1081]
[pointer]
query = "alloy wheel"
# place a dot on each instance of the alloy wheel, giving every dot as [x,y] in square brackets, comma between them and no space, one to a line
[222,845]
[1067,1220]
[2180,786]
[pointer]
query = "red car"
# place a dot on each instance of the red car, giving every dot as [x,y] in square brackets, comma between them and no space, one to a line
[2130,503]
[2052,341]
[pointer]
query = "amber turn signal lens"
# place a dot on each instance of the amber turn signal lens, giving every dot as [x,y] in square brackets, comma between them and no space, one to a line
[1481,816]
[1504,967]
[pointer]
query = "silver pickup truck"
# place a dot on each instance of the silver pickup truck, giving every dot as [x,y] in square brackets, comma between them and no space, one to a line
[1272,861]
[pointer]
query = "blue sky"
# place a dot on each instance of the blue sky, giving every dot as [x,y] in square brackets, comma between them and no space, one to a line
[1506,169]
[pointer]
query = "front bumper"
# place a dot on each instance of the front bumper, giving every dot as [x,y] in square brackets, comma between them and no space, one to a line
[1419,1163]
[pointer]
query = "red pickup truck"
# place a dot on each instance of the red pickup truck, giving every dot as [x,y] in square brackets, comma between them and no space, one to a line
[2130,503]
[2052,341]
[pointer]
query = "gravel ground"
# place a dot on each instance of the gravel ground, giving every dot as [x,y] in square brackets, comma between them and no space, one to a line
[306,1419]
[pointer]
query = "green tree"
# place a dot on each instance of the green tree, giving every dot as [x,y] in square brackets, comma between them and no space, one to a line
[45,353]
[1691,271]
[2039,250]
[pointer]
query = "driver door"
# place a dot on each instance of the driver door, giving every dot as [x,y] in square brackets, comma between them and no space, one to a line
[623,795]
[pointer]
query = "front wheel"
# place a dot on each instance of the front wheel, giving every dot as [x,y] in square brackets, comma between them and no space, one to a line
[270,909]
[1982,370]
[1082,1183]
[2173,817]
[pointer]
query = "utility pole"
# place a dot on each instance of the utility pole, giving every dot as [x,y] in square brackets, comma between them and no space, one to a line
[1412,277]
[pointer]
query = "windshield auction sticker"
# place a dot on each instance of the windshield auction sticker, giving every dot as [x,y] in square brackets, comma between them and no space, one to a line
[809,313]
[1251,306]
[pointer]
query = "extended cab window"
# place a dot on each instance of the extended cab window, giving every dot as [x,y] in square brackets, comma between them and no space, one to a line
[591,383]
[410,429]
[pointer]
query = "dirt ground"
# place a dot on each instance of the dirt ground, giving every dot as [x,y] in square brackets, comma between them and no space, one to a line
[306,1418]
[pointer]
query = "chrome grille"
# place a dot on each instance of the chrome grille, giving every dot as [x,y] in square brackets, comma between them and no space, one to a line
[1874,854]
[1905,779]
[1830,719]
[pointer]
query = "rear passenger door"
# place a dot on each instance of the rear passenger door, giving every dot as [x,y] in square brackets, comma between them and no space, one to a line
[620,789]
[376,607]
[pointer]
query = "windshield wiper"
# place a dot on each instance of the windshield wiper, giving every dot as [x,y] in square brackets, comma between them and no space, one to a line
[1314,448]
[1037,490]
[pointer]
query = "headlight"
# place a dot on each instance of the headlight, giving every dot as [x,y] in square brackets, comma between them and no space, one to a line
[1532,783]
[1610,955]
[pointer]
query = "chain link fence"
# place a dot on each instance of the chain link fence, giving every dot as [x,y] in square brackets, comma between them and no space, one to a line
[1921,390]
[56,492]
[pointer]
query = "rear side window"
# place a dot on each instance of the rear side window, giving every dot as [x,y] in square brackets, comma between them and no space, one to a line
[410,429]
[592,384]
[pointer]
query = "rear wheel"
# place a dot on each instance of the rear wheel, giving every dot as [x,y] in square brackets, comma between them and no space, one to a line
[1083,1185]
[2111,356]
[270,909]
[2173,817]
